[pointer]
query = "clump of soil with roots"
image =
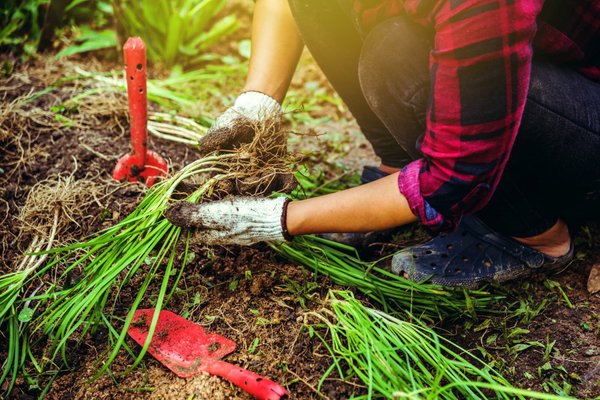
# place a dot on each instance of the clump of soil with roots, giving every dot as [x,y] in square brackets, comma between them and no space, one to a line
[258,167]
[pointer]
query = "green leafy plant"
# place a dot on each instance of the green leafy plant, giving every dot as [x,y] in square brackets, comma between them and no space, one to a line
[302,292]
[20,21]
[175,31]
[30,24]
[90,40]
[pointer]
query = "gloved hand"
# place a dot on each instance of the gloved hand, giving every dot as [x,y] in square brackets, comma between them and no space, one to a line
[241,220]
[238,123]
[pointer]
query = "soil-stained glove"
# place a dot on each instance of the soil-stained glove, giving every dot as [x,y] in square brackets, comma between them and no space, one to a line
[241,220]
[238,123]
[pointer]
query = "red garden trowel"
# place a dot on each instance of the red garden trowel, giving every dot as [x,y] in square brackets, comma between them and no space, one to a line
[187,350]
[141,164]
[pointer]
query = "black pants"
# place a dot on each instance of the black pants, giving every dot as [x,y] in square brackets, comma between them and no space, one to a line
[554,168]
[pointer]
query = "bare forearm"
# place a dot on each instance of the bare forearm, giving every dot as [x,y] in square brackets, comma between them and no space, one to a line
[276,48]
[375,206]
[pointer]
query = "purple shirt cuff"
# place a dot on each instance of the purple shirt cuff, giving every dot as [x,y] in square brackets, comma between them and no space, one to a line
[410,186]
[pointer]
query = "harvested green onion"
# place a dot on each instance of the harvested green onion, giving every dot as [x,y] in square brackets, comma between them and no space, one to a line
[110,260]
[343,265]
[398,359]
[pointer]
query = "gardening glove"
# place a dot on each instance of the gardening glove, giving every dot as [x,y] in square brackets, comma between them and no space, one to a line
[238,123]
[239,220]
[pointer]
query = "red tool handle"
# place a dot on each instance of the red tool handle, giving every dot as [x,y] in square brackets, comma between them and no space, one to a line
[256,385]
[135,69]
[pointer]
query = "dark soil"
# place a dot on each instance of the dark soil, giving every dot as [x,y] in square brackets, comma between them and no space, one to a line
[548,338]
[249,295]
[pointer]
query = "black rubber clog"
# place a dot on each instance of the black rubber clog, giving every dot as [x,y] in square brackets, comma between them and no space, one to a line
[471,256]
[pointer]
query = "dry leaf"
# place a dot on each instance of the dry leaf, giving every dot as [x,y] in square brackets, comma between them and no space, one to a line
[593,284]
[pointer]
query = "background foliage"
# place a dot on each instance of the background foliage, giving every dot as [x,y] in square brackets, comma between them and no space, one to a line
[20,21]
[176,32]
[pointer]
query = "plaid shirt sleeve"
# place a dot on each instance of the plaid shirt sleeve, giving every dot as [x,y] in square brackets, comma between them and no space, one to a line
[479,71]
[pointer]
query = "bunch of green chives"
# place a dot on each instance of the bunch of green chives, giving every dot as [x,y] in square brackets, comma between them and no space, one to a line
[10,365]
[144,244]
[343,265]
[15,314]
[398,359]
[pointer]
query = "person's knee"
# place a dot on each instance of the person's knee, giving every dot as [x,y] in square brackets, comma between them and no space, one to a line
[544,83]
[394,78]
[563,91]
[395,61]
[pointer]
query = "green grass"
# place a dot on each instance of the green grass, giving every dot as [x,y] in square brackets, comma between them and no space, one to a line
[179,91]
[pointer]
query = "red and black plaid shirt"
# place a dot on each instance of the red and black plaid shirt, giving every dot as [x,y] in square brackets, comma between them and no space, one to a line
[479,69]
